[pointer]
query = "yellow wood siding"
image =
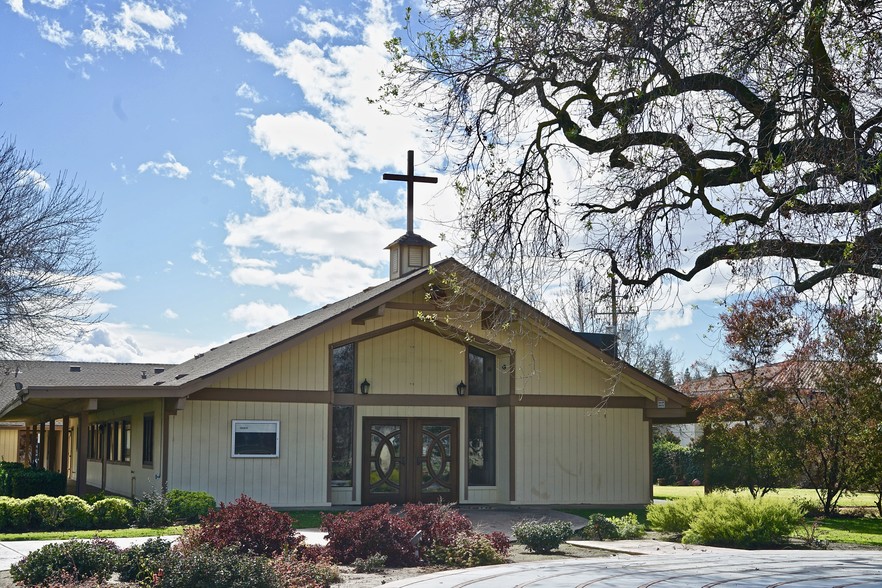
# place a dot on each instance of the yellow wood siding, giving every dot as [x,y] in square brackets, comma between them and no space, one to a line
[9,444]
[200,453]
[411,361]
[578,456]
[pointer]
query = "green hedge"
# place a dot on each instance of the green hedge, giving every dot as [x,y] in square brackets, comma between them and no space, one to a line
[20,482]
[672,462]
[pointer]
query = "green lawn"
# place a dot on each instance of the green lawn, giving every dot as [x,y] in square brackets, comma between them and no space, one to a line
[859,499]
[111,533]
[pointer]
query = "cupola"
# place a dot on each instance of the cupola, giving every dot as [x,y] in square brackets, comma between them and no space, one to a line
[409,252]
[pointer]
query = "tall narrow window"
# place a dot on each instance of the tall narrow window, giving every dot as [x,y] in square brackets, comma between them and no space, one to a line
[482,446]
[126,443]
[343,369]
[482,373]
[341,446]
[147,448]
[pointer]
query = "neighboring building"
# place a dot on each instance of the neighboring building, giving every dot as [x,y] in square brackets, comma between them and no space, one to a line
[436,384]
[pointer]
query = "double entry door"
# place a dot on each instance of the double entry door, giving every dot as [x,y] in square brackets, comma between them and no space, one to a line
[409,460]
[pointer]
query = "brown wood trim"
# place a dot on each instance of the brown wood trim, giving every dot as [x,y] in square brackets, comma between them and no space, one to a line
[373,313]
[571,401]
[329,458]
[511,453]
[65,444]
[166,427]
[82,451]
[263,395]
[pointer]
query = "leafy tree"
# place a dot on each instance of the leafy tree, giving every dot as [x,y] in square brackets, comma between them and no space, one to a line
[836,403]
[746,445]
[604,128]
[46,255]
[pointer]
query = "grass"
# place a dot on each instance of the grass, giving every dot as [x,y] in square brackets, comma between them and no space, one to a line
[860,530]
[860,499]
[108,534]
[308,519]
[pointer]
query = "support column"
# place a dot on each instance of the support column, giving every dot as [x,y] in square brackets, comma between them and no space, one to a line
[41,456]
[32,454]
[51,448]
[65,445]
[82,451]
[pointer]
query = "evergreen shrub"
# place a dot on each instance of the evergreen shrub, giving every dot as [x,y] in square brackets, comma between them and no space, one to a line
[76,512]
[140,563]
[541,537]
[207,567]
[44,512]
[75,560]
[112,513]
[189,506]
[13,515]
[744,522]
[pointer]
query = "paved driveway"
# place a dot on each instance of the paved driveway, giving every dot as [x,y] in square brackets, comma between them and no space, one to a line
[787,569]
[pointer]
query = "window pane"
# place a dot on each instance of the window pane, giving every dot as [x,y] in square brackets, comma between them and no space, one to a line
[255,438]
[341,451]
[482,373]
[343,369]
[147,450]
[482,447]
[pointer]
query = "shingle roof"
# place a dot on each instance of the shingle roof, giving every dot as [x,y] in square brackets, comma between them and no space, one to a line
[241,349]
[805,373]
[69,373]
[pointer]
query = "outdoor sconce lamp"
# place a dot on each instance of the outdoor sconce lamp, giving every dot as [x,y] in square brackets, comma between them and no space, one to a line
[365,386]
[461,388]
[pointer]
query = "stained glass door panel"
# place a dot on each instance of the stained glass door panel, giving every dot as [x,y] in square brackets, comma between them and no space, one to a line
[437,460]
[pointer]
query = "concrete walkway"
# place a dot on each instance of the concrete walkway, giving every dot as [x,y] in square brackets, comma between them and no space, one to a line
[744,569]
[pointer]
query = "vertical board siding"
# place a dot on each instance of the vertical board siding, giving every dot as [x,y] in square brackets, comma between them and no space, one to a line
[201,446]
[578,456]
[411,361]
[9,445]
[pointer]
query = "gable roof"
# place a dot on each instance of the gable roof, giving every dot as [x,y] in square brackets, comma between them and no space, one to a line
[199,372]
[782,373]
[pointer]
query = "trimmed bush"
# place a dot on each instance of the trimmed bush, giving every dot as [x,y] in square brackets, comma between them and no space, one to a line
[466,550]
[6,472]
[371,530]
[500,542]
[140,563]
[207,567]
[673,462]
[13,515]
[44,512]
[249,526]
[600,528]
[153,510]
[440,524]
[370,565]
[112,513]
[189,506]
[739,521]
[24,483]
[77,514]
[541,537]
[75,560]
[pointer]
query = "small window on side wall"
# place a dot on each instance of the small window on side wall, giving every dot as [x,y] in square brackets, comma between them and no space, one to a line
[482,373]
[343,369]
[255,439]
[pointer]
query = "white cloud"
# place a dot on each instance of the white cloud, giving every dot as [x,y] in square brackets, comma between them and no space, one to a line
[169,314]
[225,181]
[271,193]
[170,168]
[137,26]
[321,283]
[106,282]
[672,318]
[258,315]
[17,7]
[54,4]
[300,134]
[246,113]
[126,343]
[198,254]
[319,23]
[52,31]
[248,93]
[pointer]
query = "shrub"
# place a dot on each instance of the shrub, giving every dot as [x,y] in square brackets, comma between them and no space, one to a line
[28,482]
[739,521]
[467,550]
[140,563]
[292,571]
[676,516]
[78,559]
[94,497]
[6,474]
[207,567]
[370,565]
[77,514]
[672,462]
[440,523]
[112,513]
[500,542]
[541,537]
[13,514]
[369,531]
[249,526]
[628,527]
[153,510]
[44,512]
[599,527]
[189,506]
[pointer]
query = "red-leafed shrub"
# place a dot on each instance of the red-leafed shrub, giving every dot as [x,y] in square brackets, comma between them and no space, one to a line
[294,571]
[250,526]
[440,523]
[369,531]
[500,542]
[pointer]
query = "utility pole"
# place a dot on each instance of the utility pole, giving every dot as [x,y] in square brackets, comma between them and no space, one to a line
[615,312]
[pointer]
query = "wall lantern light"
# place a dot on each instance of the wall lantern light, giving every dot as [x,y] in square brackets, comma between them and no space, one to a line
[365,386]
[461,388]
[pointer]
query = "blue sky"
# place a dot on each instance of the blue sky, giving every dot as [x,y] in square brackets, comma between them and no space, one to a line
[238,161]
